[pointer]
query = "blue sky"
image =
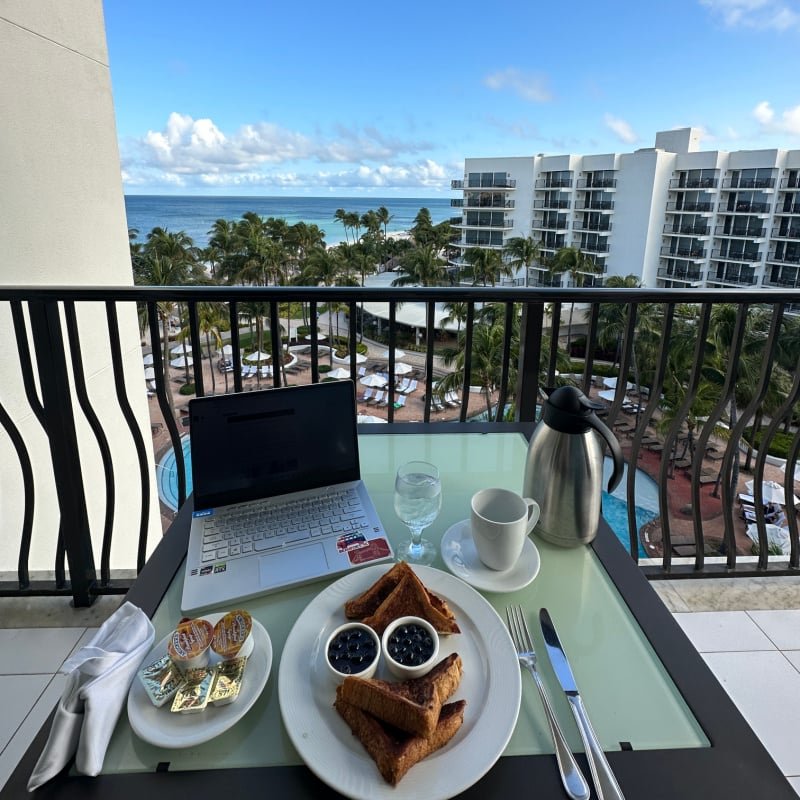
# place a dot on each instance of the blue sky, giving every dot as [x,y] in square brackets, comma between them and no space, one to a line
[357,99]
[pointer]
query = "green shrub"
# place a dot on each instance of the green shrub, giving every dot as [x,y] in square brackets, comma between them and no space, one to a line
[779,446]
[187,388]
[324,368]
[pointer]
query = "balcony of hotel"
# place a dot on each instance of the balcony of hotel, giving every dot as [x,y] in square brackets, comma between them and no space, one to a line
[785,257]
[730,254]
[786,231]
[553,183]
[702,184]
[693,253]
[594,205]
[557,223]
[676,229]
[684,275]
[487,200]
[764,184]
[785,278]
[791,183]
[743,232]
[787,208]
[599,246]
[745,207]
[596,183]
[725,273]
[693,207]
[552,203]
[605,225]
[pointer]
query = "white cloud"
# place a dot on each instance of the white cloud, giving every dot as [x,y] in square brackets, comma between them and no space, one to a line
[621,128]
[787,123]
[777,15]
[529,86]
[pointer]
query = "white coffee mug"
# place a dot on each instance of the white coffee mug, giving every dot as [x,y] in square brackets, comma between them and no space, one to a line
[501,521]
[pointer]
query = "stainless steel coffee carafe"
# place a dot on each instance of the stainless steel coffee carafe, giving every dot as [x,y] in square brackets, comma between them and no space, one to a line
[564,467]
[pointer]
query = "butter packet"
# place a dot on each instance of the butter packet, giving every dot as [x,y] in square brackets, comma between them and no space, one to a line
[161,680]
[193,695]
[228,681]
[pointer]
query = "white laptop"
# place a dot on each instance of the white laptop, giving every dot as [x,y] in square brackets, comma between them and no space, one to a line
[278,496]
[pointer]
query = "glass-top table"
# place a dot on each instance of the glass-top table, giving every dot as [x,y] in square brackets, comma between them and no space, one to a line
[668,728]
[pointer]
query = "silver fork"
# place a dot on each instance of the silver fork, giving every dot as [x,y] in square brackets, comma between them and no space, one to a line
[571,776]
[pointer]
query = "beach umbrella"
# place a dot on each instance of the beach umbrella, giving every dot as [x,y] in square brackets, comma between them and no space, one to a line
[611,383]
[149,374]
[368,418]
[339,373]
[179,349]
[403,368]
[771,492]
[182,362]
[607,394]
[257,356]
[148,359]
[374,381]
[397,353]
[796,471]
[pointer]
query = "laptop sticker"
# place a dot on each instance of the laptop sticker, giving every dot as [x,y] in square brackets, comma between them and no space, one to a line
[377,548]
[350,541]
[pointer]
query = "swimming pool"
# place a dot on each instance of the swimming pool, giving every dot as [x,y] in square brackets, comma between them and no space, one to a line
[167,475]
[615,505]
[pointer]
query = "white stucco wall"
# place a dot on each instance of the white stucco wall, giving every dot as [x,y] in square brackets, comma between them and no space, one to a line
[62,222]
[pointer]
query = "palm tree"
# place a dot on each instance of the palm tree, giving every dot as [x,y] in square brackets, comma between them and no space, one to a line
[523,251]
[422,229]
[340,215]
[578,264]
[486,266]
[456,312]
[384,218]
[422,266]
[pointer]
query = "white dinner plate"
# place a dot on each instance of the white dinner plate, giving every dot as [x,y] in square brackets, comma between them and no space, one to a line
[161,727]
[461,558]
[491,685]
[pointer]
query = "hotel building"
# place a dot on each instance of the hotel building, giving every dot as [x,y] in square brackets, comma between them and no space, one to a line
[673,215]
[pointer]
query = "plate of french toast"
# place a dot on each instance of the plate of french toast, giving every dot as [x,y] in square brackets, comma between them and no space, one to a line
[374,734]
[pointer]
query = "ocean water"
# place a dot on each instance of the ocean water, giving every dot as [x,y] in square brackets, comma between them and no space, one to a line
[195,215]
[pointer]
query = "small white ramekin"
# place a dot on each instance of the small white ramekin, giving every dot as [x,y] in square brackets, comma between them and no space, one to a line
[370,669]
[402,670]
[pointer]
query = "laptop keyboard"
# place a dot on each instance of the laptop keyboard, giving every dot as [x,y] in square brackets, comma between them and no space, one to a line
[259,527]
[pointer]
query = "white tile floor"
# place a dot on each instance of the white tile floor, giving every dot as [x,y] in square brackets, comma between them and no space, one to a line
[754,654]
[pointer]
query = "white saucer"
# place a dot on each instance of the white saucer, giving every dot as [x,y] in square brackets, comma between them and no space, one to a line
[461,558]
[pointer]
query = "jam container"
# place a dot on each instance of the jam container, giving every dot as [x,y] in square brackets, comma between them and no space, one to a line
[352,649]
[188,645]
[410,646]
[232,635]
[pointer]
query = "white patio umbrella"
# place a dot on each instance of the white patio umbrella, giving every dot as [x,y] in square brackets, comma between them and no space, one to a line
[320,337]
[258,356]
[374,381]
[179,348]
[149,374]
[148,359]
[402,368]
[611,383]
[771,492]
[339,373]
[370,418]
[397,353]
[775,535]
[182,362]
[796,471]
[607,394]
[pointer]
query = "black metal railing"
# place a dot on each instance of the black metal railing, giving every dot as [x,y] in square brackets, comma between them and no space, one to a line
[693,183]
[642,333]
[597,183]
[686,230]
[553,183]
[702,206]
[743,233]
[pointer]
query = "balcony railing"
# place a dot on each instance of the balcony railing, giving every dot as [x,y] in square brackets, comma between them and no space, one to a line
[604,227]
[696,253]
[731,275]
[740,233]
[748,183]
[457,184]
[467,223]
[693,183]
[597,183]
[595,205]
[688,275]
[553,183]
[791,183]
[595,247]
[555,204]
[791,232]
[500,202]
[457,202]
[785,258]
[750,256]
[782,282]
[50,327]
[793,208]
[686,230]
[745,207]
[488,183]
[681,208]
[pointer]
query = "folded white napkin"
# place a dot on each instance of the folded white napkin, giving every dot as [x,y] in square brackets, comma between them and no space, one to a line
[100,675]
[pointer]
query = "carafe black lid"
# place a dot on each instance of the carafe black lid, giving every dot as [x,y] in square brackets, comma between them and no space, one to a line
[569,410]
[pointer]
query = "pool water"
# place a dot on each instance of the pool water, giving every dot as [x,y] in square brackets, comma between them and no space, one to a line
[615,506]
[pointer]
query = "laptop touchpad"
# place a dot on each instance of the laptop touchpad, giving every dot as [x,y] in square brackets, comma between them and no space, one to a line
[292,566]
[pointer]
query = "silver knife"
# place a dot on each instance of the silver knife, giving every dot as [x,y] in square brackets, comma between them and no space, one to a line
[604,780]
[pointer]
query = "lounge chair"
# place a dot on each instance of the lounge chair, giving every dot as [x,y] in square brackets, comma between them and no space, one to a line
[412,386]
[362,371]
[452,399]
[378,397]
[403,387]
[367,396]
[384,401]
[400,402]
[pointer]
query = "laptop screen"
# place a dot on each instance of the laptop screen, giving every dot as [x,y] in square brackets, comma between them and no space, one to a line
[253,445]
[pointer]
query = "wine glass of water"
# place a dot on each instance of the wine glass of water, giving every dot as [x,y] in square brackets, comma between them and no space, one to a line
[417,502]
